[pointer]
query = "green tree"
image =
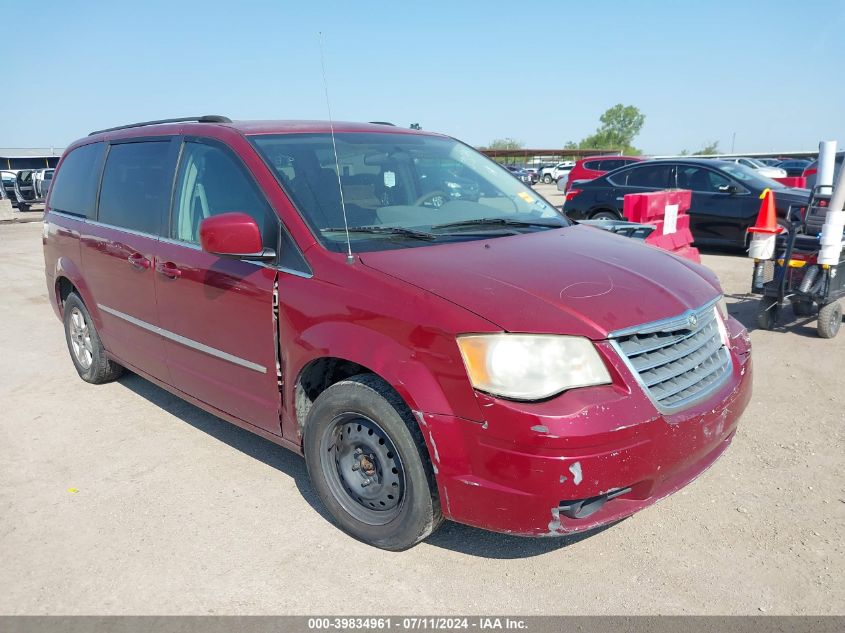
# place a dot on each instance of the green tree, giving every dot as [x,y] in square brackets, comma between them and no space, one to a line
[710,148]
[505,143]
[416,126]
[620,125]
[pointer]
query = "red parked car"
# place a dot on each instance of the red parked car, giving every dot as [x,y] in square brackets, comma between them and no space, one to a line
[481,360]
[595,166]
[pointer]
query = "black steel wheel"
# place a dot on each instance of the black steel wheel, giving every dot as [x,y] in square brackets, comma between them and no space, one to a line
[767,313]
[362,468]
[830,320]
[369,464]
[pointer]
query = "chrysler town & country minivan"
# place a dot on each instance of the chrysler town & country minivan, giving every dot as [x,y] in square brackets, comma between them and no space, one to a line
[434,355]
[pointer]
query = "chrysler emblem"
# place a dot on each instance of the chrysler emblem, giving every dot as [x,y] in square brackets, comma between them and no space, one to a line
[693,321]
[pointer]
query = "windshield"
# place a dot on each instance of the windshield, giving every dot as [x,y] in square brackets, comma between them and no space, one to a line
[750,177]
[401,190]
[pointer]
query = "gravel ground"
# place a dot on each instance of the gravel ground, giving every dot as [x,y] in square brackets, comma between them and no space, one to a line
[122,499]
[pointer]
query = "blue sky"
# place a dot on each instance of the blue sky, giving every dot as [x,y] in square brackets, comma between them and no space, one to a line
[540,72]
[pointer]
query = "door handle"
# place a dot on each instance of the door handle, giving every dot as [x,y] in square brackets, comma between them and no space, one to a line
[168,269]
[136,260]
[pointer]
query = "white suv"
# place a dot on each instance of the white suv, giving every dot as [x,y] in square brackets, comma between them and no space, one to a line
[552,174]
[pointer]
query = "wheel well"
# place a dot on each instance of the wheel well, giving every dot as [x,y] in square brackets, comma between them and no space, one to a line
[319,375]
[63,289]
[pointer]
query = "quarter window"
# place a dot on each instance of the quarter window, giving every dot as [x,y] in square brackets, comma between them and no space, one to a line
[611,164]
[136,185]
[75,190]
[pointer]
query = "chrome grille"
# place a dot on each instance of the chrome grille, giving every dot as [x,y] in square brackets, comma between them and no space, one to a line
[677,361]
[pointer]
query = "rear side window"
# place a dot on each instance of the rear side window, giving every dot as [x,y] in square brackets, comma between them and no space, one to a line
[700,179]
[136,185]
[75,189]
[592,164]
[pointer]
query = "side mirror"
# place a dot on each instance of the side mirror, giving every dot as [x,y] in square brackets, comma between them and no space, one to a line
[234,235]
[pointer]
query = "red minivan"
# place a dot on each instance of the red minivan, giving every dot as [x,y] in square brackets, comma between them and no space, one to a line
[435,338]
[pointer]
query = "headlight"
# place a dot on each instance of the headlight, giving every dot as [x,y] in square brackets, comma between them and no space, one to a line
[531,366]
[722,307]
[722,319]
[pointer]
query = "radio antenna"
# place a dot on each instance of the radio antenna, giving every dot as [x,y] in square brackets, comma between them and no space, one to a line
[349,258]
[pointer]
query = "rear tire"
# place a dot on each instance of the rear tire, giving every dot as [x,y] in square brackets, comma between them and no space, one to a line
[604,215]
[547,179]
[84,344]
[367,460]
[767,313]
[830,320]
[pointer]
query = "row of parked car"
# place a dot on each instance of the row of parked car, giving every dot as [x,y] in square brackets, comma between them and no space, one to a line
[725,193]
[598,165]
[25,186]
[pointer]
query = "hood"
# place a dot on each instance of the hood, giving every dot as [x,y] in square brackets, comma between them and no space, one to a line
[577,280]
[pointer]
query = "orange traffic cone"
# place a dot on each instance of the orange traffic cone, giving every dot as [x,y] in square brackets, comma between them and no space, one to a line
[767,221]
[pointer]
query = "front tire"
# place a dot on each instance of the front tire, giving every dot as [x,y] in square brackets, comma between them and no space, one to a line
[547,179]
[367,460]
[830,320]
[84,344]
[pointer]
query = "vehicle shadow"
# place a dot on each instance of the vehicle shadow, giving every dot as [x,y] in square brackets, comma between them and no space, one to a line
[451,536]
[744,307]
[483,544]
[250,444]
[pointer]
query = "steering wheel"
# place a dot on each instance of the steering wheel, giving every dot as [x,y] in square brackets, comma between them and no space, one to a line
[432,199]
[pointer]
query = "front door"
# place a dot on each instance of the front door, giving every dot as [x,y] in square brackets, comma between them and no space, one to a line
[639,179]
[717,215]
[216,313]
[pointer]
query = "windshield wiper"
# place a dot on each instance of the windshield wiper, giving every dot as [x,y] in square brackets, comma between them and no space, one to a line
[496,222]
[384,230]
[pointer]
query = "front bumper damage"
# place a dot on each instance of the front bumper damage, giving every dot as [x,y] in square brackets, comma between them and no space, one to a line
[584,459]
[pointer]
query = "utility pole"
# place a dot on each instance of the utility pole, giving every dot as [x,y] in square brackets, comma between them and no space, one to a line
[733,142]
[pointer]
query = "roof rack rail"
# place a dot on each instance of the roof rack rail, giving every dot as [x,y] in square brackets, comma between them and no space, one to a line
[383,123]
[207,118]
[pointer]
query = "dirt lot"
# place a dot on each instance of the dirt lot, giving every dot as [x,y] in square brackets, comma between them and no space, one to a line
[122,499]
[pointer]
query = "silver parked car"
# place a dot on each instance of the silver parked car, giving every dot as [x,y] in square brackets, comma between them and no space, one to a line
[756,165]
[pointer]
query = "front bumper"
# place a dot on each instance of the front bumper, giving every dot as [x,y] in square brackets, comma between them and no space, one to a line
[519,470]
